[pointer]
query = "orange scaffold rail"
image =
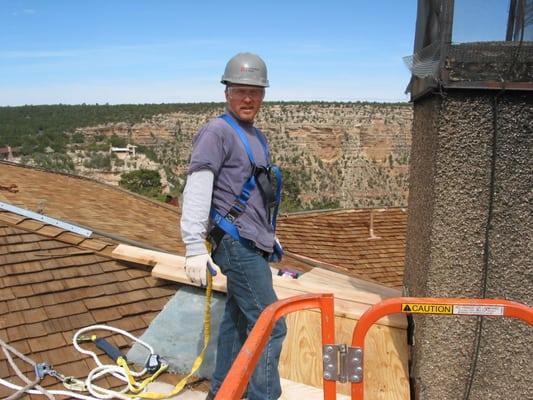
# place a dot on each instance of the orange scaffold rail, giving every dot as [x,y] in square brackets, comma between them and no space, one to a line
[237,379]
[433,306]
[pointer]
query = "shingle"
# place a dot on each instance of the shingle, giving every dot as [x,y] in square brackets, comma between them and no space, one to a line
[105,315]
[51,231]
[48,342]
[32,316]
[30,224]
[101,302]
[66,309]
[5,292]
[17,305]
[12,319]
[94,244]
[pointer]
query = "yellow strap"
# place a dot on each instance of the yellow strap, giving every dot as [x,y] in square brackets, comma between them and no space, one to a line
[197,362]
[133,385]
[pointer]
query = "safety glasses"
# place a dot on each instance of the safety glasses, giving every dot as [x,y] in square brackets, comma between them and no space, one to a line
[241,92]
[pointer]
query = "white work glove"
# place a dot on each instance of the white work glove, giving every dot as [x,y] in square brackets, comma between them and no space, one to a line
[196,268]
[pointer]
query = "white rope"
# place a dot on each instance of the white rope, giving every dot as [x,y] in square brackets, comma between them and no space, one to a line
[109,369]
[56,392]
[96,391]
[101,370]
[29,384]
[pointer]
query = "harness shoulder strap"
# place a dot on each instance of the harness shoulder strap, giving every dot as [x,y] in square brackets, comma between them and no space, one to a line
[242,135]
[224,224]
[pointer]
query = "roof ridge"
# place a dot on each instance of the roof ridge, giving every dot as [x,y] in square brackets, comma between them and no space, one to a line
[306,213]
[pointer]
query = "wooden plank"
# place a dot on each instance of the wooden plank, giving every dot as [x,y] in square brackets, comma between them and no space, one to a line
[289,288]
[146,257]
[340,280]
[294,390]
[176,273]
[290,391]
[351,300]
[386,376]
[342,286]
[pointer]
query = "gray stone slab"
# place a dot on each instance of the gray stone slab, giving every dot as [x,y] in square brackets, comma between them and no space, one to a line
[177,332]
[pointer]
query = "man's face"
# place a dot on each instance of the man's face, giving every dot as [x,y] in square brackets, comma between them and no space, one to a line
[244,101]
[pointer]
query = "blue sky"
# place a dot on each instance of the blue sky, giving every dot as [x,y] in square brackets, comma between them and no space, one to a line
[140,51]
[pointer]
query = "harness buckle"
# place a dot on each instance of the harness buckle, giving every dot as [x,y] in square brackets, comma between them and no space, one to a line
[74,384]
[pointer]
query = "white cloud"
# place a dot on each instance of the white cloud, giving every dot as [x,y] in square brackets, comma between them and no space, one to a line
[25,11]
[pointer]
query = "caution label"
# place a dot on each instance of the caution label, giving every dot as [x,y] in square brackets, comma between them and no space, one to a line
[477,310]
[417,308]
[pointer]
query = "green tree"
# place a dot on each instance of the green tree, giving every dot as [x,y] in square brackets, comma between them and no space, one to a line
[52,162]
[143,181]
[325,203]
[98,161]
[117,141]
[290,197]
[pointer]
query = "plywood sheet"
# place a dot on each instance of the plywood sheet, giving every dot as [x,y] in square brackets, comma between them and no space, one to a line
[385,362]
[293,390]
[290,391]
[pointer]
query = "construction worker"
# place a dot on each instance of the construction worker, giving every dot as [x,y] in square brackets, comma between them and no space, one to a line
[230,199]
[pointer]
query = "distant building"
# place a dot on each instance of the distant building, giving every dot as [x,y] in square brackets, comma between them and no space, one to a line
[124,152]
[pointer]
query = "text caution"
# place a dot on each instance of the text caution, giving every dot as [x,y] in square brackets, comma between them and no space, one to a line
[416,308]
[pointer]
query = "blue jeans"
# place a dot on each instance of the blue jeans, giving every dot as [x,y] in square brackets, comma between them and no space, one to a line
[250,291]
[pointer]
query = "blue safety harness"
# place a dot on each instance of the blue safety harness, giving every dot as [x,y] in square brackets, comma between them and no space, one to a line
[260,178]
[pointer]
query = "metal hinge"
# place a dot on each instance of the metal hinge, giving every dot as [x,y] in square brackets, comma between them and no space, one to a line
[342,363]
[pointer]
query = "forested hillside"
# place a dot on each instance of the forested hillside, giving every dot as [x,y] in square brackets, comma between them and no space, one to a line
[35,127]
[332,154]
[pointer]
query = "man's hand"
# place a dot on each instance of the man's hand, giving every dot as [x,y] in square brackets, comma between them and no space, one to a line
[196,268]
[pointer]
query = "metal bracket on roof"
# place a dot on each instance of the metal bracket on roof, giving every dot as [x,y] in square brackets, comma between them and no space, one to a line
[47,220]
[42,369]
[342,363]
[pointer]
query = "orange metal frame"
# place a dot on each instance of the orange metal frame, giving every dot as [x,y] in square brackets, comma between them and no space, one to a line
[237,379]
[393,306]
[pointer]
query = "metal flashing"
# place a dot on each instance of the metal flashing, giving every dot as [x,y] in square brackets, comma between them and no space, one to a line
[45,219]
